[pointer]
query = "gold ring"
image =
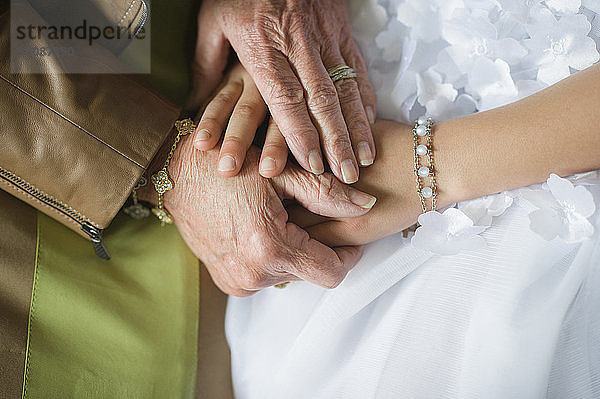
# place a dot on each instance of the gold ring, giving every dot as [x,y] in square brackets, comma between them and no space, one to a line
[282,285]
[340,72]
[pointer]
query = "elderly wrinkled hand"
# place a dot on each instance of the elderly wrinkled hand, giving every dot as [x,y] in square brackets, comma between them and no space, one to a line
[287,46]
[239,227]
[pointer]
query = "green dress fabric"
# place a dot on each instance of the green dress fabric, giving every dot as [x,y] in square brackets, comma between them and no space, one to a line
[126,328]
[120,329]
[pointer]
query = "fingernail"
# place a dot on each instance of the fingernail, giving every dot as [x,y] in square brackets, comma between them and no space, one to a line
[361,199]
[202,135]
[364,154]
[370,115]
[315,162]
[268,165]
[227,164]
[349,172]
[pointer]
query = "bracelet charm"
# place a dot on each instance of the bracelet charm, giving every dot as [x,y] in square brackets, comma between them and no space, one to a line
[161,180]
[162,184]
[137,210]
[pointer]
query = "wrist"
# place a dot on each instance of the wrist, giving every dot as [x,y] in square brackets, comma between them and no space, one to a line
[451,164]
[148,193]
[479,155]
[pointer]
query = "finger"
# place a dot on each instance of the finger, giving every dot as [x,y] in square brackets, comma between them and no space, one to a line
[222,279]
[353,231]
[350,255]
[304,218]
[210,59]
[248,114]
[216,116]
[323,194]
[324,107]
[274,153]
[271,281]
[284,95]
[354,112]
[317,263]
[231,290]
[237,281]
[351,54]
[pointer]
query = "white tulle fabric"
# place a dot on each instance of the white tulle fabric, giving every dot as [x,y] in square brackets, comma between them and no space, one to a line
[498,297]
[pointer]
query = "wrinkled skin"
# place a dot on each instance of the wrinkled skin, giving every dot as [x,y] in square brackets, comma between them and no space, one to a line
[287,47]
[239,227]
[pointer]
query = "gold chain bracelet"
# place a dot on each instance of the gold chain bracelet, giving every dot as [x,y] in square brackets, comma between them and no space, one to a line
[424,128]
[161,180]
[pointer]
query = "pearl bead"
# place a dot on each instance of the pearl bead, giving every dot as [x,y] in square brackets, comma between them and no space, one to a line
[421,131]
[422,120]
[423,171]
[421,150]
[427,192]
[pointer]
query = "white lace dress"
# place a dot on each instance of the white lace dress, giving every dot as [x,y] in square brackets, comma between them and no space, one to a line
[506,304]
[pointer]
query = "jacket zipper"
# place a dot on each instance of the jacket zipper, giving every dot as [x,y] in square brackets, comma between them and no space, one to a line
[92,231]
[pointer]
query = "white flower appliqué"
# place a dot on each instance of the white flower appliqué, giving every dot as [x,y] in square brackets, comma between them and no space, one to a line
[593,5]
[425,17]
[471,35]
[563,211]
[491,84]
[483,210]
[450,58]
[447,233]
[564,7]
[557,45]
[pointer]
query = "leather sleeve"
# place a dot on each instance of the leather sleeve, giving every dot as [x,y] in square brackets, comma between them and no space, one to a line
[82,141]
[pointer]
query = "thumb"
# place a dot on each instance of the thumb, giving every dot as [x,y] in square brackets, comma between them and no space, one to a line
[322,194]
[210,59]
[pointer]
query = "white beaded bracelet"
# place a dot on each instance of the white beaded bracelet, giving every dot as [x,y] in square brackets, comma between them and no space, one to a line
[423,131]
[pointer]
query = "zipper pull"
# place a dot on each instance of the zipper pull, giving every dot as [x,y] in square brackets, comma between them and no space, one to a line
[94,234]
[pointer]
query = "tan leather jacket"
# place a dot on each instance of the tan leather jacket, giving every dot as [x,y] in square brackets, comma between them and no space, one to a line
[74,146]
